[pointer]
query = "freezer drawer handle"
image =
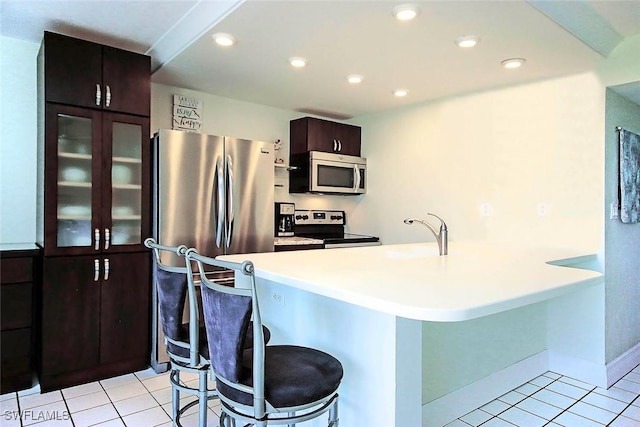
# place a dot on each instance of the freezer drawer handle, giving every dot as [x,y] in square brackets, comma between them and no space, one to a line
[96,270]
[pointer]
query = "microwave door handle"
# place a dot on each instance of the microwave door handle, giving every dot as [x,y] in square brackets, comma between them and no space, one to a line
[230,215]
[356,172]
[221,204]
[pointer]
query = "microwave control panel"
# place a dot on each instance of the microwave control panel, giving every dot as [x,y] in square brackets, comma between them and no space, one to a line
[319,217]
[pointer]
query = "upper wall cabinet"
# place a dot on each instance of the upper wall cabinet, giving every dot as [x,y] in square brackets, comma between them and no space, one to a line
[85,74]
[312,134]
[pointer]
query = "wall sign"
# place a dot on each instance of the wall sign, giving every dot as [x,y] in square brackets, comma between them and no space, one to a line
[187,114]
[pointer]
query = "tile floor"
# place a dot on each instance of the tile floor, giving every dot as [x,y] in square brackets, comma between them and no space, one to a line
[143,399]
[555,400]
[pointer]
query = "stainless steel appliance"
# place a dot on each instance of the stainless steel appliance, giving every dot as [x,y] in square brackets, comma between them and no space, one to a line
[284,219]
[213,193]
[320,172]
[328,226]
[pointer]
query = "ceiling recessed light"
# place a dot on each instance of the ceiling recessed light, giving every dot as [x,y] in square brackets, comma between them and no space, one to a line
[512,63]
[297,61]
[354,78]
[405,12]
[467,41]
[400,92]
[224,39]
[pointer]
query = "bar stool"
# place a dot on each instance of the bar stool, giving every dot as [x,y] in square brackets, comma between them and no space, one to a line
[186,342]
[261,385]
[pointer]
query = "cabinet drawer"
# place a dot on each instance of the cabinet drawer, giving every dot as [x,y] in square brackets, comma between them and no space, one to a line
[16,270]
[15,306]
[16,363]
[15,344]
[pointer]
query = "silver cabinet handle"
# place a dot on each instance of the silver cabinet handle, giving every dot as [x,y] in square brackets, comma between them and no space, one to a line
[98,94]
[107,238]
[96,239]
[230,215]
[339,145]
[96,270]
[221,204]
[106,269]
[335,145]
[108,97]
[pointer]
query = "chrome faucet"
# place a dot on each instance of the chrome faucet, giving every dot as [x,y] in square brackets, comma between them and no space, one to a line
[441,236]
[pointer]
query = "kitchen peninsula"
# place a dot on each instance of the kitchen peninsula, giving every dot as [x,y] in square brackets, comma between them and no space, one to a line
[367,306]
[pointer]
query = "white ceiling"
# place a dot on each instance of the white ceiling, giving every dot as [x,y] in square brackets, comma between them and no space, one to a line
[340,38]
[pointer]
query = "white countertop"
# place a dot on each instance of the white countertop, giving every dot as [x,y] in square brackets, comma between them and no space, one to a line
[412,281]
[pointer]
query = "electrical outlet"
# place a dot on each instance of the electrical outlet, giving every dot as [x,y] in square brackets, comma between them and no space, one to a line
[278,298]
[614,211]
[543,209]
[485,210]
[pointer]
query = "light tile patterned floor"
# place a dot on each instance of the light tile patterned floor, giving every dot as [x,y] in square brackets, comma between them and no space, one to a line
[555,400]
[143,399]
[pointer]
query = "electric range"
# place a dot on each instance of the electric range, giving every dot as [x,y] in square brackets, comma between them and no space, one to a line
[328,226]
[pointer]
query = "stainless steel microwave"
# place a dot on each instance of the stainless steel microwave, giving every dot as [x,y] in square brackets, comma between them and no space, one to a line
[330,173]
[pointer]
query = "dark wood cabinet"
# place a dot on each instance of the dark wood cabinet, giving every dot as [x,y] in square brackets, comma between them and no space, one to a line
[19,272]
[94,211]
[97,311]
[86,74]
[312,134]
[71,307]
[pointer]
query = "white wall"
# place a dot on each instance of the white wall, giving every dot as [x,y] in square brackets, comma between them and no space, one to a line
[622,250]
[512,148]
[18,137]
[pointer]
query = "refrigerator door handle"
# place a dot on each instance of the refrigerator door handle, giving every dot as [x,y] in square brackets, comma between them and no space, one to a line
[221,204]
[230,213]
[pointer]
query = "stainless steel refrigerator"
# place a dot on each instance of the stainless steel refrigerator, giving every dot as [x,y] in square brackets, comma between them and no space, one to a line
[213,193]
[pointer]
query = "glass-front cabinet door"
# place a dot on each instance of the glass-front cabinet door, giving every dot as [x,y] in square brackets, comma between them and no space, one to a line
[72,185]
[126,199]
[75,187]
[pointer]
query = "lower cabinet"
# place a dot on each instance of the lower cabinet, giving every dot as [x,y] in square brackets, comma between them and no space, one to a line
[18,287]
[95,317]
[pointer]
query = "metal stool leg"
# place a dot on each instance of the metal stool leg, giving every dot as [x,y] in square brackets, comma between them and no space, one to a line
[202,397]
[333,414]
[175,395]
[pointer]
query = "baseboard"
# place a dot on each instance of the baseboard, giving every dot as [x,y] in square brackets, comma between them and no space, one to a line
[446,409]
[622,365]
[583,370]
[599,375]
